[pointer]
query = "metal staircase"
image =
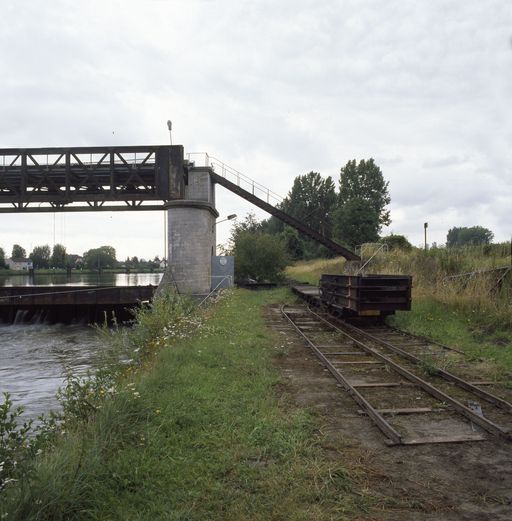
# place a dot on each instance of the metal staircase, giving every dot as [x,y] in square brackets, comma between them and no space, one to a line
[220,173]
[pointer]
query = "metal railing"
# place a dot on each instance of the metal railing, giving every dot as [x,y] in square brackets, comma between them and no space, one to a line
[382,247]
[240,179]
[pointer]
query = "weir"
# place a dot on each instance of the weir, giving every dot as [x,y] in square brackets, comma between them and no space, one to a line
[69,303]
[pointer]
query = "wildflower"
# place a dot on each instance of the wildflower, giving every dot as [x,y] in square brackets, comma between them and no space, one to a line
[157,411]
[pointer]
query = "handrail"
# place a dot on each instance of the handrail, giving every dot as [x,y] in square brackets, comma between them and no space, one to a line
[242,180]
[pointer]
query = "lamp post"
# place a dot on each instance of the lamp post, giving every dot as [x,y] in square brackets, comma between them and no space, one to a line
[169,126]
[228,218]
[425,226]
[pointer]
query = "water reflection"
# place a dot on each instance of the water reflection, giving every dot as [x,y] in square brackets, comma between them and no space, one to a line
[82,279]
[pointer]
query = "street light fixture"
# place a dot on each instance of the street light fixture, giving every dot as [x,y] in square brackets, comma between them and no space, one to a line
[169,126]
[228,218]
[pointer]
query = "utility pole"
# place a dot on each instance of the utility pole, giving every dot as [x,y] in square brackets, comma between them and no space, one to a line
[425,226]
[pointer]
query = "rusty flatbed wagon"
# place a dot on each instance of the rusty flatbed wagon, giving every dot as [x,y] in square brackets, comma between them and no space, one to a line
[366,295]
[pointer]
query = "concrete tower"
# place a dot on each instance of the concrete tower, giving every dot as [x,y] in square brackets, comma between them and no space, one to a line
[191,234]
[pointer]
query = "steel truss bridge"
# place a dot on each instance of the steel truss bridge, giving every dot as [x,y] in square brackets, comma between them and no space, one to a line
[90,178]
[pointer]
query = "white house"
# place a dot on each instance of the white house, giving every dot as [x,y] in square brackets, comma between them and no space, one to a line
[19,264]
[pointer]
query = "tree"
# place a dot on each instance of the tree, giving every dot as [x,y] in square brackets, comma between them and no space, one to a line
[40,256]
[312,200]
[294,244]
[468,236]
[365,181]
[259,256]
[18,252]
[99,258]
[249,224]
[357,222]
[58,259]
[397,242]
[2,259]
[363,197]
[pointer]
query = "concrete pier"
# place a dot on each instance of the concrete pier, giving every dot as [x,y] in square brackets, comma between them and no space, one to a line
[191,234]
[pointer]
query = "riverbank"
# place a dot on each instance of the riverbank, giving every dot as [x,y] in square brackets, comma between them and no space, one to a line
[203,429]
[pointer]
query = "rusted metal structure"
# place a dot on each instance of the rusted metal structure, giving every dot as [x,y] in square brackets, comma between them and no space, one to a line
[90,178]
[366,294]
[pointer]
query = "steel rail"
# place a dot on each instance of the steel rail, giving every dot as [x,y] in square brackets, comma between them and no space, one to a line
[450,377]
[486,424]
[425,339]
[394,436]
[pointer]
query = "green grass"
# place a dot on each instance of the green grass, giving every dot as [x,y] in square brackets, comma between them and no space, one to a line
[202,433]
[468,332]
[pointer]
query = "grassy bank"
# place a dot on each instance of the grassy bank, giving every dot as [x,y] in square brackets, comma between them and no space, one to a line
[469,312]
[200,431]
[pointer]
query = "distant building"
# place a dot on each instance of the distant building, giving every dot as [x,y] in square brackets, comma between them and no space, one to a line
[75,261]
[19,264]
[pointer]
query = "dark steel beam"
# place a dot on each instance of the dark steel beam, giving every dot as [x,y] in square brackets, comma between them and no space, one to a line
[61,176]
[56,209]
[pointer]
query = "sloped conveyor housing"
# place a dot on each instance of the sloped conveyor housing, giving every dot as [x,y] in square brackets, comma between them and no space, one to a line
[286,218]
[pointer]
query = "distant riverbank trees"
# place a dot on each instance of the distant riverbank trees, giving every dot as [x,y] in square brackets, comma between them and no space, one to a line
[464,236]
[104,257]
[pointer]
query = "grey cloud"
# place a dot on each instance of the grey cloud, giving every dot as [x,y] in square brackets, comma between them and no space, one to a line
[276,90]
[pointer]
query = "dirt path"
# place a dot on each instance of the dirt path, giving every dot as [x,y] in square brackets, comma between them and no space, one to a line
[471,481]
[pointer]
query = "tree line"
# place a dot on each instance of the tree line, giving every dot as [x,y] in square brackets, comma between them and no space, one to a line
[42,257]
[350,211]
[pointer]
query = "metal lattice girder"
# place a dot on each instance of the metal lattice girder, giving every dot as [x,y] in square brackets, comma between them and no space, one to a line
[90,176]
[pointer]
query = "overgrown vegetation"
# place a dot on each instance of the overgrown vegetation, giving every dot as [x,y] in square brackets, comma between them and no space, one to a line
[259,256]
[190,428]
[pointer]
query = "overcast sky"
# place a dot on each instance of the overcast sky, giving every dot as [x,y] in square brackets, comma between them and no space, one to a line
[274,89]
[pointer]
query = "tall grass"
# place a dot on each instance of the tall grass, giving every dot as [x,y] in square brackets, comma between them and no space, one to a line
[478,292]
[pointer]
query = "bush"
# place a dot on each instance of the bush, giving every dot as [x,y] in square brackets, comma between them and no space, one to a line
[14,442]
[397,242]
[259,256]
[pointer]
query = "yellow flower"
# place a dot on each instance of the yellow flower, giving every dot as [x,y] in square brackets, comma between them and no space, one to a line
[157,411]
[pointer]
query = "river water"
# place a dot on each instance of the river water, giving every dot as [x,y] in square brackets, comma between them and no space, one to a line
[35,358]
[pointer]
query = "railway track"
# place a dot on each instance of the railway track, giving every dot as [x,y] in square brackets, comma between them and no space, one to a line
[404,383]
